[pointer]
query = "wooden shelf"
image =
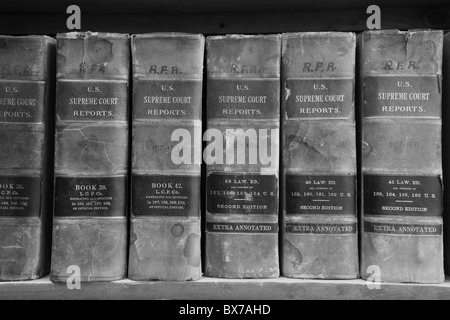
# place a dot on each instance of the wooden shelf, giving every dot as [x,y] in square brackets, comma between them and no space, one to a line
[224,289]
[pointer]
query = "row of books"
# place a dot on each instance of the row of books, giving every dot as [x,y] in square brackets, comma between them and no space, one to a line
[105,173]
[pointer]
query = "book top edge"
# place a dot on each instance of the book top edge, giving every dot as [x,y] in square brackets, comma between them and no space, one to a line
[30,37]
[394,52]
[164,35]
[325,34]
[90,34]
[397,31]
[26,57]
[244,36]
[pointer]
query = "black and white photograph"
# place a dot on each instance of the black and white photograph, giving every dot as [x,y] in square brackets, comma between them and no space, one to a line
[227,156]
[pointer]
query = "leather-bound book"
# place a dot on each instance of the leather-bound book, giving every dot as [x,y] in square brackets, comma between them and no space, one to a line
[26,155]
[166,156]
[320,238]
[242,156]
[91,156]
[401,86]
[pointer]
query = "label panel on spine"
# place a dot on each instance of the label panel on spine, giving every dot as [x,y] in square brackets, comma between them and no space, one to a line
[402,195]
[242,227]
[402,96]
[167,99]
[320,194]
[243,99]
[20,196]
[242,193]
[95,197]
[92,100]
[321,98]
[403,229]
[162,195]
[321,228]
[22,101]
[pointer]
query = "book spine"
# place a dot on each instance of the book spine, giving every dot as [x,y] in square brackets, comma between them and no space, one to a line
[242,156]
[401,156]
[91,156]
[319,156]
[26,144]
[446,150]
[166,157]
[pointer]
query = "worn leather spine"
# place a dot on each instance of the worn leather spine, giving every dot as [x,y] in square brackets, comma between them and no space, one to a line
[401,223]
[26,161]
[242,185]
[446,151]
[91,156]
[166,157]
[319,156]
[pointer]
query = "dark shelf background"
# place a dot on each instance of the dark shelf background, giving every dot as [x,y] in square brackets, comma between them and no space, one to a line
[220,17]
[195,6]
